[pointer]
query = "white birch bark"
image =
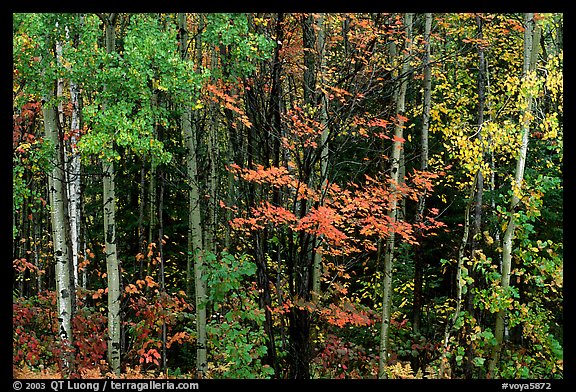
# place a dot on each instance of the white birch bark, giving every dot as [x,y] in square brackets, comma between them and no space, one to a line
[58,220]
[109,200]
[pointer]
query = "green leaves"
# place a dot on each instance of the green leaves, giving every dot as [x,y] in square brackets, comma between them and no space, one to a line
[124,88]
[224,276]
[236,329]
[231,31]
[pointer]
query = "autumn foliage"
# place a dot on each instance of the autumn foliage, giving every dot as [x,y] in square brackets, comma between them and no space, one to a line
[288,195]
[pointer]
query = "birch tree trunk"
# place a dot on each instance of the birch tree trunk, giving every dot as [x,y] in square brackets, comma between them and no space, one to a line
[109,199]
[531,45]
[212,180]
[73,180]
[418,255]
[195,250]
[72,164]
[57,196]
[394,175]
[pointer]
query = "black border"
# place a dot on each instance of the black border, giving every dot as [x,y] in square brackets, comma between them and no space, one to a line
[308,6]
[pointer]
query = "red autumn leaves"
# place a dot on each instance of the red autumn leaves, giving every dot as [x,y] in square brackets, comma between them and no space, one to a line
[348,220]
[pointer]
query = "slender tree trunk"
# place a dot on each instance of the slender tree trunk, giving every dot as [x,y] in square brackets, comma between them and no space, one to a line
[309,43]
[162,274]
[71,207]
[73,172]
[57,197]
[152,201]
[141,230]
[73,167]
[418,251]
[531,45]
[477,226]
[84,252]
[195,249]
[321,42]
[394,175]
[112,267]
[274,128]
[65,294]
[212,180]
[36,242]
[109,199]
[152,206]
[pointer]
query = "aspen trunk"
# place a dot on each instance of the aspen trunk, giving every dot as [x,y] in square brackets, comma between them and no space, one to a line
[69,171]
[73,169]
[73,181]
[418,255]
[531,45]
[112,267]
[109,200]
[394,175]
[195,249]
[212,180]
[57,197]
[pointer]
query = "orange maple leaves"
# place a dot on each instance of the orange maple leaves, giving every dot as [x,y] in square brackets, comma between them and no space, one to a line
[346,220]
[346,314]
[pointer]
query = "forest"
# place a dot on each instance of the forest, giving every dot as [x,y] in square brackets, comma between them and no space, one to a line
[287,195]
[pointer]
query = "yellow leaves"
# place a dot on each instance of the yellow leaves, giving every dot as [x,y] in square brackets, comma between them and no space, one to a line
[511,84]
[554,77]
[198,105]
[157,86]
[531,84]
[517,190]
[550,126]
[504,138]
[261,21]
[400,371]
[489,240]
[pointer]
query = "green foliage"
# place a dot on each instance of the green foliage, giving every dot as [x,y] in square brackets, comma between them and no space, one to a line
[235,330]
[244,47]
[225,279]
[147,65]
